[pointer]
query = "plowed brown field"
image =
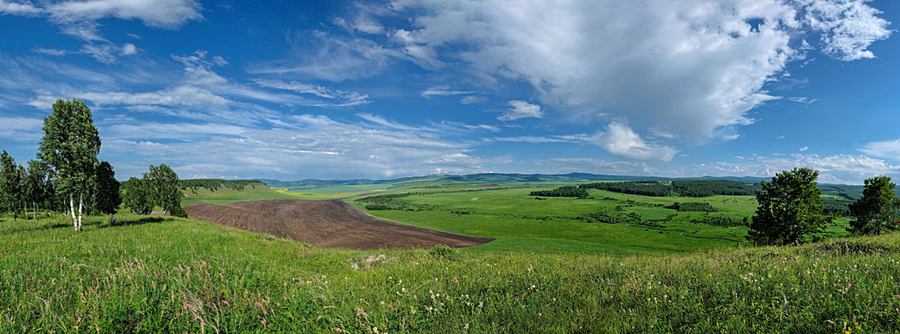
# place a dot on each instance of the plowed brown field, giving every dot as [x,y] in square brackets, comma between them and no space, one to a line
[331,223]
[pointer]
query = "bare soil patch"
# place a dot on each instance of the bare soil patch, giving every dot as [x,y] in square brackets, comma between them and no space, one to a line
[332,223]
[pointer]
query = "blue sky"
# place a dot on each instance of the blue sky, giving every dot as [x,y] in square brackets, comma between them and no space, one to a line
[383,89]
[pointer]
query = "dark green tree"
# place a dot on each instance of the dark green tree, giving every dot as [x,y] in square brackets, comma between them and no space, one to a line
[137,196]
[70,146]
[38,186]
[10,184]
[876,211]
[790,209]
[164,188]
[106,191]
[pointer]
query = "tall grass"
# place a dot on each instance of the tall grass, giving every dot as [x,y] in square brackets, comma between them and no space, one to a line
[175,275]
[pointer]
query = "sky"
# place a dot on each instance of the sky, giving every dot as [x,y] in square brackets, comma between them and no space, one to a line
[292,90]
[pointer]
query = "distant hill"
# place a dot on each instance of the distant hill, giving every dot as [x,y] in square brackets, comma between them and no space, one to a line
[493,178]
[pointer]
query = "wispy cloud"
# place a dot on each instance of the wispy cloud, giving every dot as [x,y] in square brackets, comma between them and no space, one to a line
[838,168]
[883,149]
[442,91]
[323,148]
[802,99]
[338,98]
[473,99]
[79,19]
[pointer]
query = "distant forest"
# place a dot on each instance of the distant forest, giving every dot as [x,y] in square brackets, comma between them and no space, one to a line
[215,184]
[690,188]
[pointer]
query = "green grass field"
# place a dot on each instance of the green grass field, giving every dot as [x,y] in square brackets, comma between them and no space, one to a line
[547,275]
[152,274]
[522,223]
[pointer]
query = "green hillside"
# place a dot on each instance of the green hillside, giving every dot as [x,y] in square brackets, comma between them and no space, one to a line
[176,275]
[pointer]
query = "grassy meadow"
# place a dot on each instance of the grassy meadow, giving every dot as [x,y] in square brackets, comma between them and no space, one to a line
[524,223]
[153,274]
[554,275]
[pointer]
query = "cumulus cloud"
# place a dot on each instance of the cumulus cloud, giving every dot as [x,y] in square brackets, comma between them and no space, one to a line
[521,109]
[129,49]
[621,140]
[848,27]
[692,69]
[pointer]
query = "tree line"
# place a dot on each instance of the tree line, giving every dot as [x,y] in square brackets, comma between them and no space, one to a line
[687,188]
[791,209]
[67,176]
[564,191]
[215,184]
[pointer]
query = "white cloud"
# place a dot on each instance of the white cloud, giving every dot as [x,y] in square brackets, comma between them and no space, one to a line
[129,49]
[621,140]
[103,53]
[16,8]
[473,99]
[322,148]
[341,98]
[442,91]
[692,68]
[883,149]
[79,18]
[804,148]
[451,126]
[323,56]
[21,128]
[848,27]
[521,109]
[52,52]
[802,99]
[839,168]
[166,14]
[532,139]
[596,166]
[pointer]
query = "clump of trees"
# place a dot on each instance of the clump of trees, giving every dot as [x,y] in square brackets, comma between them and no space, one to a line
[692,206]
[158,188]
[790,209]
[644,188]
[876,211]
[67,175]
[564,191]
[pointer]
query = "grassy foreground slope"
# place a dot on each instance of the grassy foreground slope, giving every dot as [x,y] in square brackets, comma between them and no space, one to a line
[176,275]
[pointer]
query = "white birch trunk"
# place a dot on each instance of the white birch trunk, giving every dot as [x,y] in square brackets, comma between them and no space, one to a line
[72,207]
[80,206]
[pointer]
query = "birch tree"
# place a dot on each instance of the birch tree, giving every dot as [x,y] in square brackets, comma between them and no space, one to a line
[70,146]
